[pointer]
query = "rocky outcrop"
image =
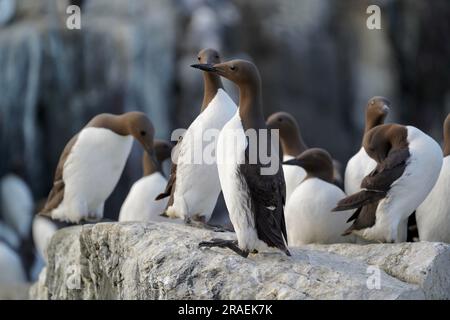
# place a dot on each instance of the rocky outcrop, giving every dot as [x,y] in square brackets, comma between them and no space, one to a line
[163,261]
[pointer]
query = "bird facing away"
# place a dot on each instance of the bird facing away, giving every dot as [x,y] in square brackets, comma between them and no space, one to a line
[292,145]
[140,204]
[433,215]
[91,164]
[194,186]
[408,165]
[360,165]
[309,217]
[254,198]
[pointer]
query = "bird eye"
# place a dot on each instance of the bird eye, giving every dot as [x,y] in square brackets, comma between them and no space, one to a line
[143,133]
[217,56]
[280,120]
[232,68]
[198,58]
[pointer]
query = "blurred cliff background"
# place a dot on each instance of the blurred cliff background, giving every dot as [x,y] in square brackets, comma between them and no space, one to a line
[317,58]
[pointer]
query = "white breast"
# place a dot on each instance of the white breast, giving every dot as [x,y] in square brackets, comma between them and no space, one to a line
[17,204]
[409,191]
[140,204]
[358,167]
[43,231]
[230,153]
[12,271]
[91,173]
[197,185]
[433,215]
[293,176]
[309,218]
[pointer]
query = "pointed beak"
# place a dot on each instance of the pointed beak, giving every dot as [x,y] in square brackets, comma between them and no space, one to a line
[293,162]
[205,67]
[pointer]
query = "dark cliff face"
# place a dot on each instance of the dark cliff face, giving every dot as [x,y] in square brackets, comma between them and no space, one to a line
[317,59]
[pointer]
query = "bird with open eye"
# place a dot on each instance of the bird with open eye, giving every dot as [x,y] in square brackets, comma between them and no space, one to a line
[91,164]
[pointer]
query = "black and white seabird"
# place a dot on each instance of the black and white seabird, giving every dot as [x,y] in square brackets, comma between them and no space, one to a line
[360,165]
[254,198]
[408,165]
[140,204]
[308,212]
[433,215]
[194,186]
[91,164]
[292,145]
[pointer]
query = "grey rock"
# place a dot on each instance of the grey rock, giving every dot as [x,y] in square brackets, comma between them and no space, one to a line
[163,261]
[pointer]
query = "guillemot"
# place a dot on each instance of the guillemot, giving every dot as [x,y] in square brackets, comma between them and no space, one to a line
[433,215]
[254,198]
[195,186]
[91,164]
[408,165]
[308,212]
[360,165]
[140,204]
[292,145]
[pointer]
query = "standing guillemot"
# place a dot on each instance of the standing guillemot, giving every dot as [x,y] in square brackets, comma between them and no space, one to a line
[91,164]
[360,165]
[140,204]
[308,212]
[197,185]
[255,200]
[292,145]
[408,165]
[433,215]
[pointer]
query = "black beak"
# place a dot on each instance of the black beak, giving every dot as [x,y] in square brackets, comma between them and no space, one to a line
[205,67]
[293,162]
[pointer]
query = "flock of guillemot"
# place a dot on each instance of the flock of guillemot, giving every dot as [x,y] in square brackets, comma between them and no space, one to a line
[399,170]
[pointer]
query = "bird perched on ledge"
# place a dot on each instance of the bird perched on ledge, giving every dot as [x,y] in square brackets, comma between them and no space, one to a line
[91,164]
[254,198]
[408,165]
[140,204]
[433,215]
[360,165]
[194,187]
[308,212]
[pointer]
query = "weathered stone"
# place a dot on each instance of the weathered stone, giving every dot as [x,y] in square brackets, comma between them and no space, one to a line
[163,261]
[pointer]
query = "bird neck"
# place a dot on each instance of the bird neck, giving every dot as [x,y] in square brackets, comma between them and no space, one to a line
[293,145]
[149,166]
[211,83]
[372,122]
[250,105]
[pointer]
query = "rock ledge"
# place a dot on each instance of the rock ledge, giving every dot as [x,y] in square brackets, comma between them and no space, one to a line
[163,261]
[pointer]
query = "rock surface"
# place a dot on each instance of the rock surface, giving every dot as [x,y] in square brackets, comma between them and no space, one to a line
[163,261]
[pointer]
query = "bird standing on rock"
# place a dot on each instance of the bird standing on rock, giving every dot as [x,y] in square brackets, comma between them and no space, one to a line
[140,204]
[360,165]
[309,217]
[408,165]
[91,164]
[194,186]
[254,198]
[292,145]
[433,215]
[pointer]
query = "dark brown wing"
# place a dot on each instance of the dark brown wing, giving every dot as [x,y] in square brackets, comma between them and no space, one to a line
[56,195]
[376,186]
[267,194]
[170,187]
[387,172]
